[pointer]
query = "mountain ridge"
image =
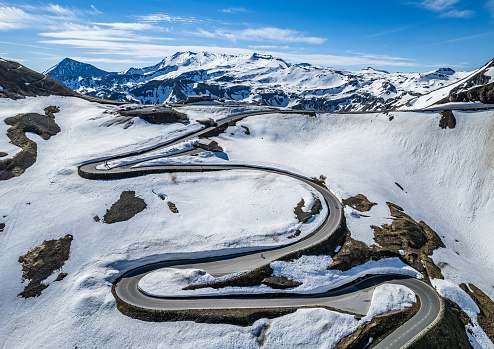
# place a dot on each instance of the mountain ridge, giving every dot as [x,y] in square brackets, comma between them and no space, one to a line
[258,79]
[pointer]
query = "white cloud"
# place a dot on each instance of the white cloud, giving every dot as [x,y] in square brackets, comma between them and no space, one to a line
[458,14]
[438,5]
[446,8]
[151,50]
[111,60]
[164,17]
[130,26]
[103,32]
[262,34]
[234,10]
[28,16]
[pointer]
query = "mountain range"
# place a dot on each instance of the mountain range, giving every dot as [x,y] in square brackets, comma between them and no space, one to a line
[256,78]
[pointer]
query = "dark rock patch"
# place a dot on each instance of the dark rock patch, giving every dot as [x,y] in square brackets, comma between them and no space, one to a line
[158,115]
[246,130]
[399,186]
[172,207]
[448,120]
[42,125]
[39,263]
[417,241]
[125,208]
[304,216]
[20,82]
[359,203]
[2,227]
[294,235]
[61,276]
[353,253]
[280,282]
[51,110]
[3,154]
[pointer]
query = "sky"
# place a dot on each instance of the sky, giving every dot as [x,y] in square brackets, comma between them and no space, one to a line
[395,35]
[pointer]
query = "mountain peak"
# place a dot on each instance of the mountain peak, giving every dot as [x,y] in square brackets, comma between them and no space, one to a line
[71,67]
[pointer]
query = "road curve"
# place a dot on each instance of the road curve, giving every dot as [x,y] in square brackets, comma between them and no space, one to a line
[353,298]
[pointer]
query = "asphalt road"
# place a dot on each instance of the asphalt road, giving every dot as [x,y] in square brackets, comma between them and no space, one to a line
[355,297]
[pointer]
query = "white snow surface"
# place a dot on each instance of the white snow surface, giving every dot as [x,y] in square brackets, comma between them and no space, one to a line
[447,177]
[310,270]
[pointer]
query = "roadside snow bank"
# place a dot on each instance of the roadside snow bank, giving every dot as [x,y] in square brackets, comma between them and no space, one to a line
[310,270]
[390,297]
[324,329]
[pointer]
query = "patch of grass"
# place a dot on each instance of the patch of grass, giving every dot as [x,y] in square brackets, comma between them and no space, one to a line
[39,263]
[125,208]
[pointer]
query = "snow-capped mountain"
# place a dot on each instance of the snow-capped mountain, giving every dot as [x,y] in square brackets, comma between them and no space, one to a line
[256,78]
[477,86]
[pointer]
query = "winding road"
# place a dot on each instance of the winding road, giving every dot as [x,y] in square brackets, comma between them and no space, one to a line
[355,297]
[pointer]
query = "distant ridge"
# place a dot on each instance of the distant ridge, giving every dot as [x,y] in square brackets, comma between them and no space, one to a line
[256,78]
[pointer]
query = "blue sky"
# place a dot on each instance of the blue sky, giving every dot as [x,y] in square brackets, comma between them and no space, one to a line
[396,35]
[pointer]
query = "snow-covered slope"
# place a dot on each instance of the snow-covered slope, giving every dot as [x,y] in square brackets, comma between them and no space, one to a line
[217,211]
[260,79]
[477,86]
[446,174]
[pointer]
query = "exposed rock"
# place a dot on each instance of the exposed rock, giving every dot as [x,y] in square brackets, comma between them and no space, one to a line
[304,216]
[417,242]
[61,276]
[39,263]
[448,120]
[20,82]
[280,282]
[359,203]
[158,115]
[246,130]
[172,207]
[49,111]
[125,208]
[42,125]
